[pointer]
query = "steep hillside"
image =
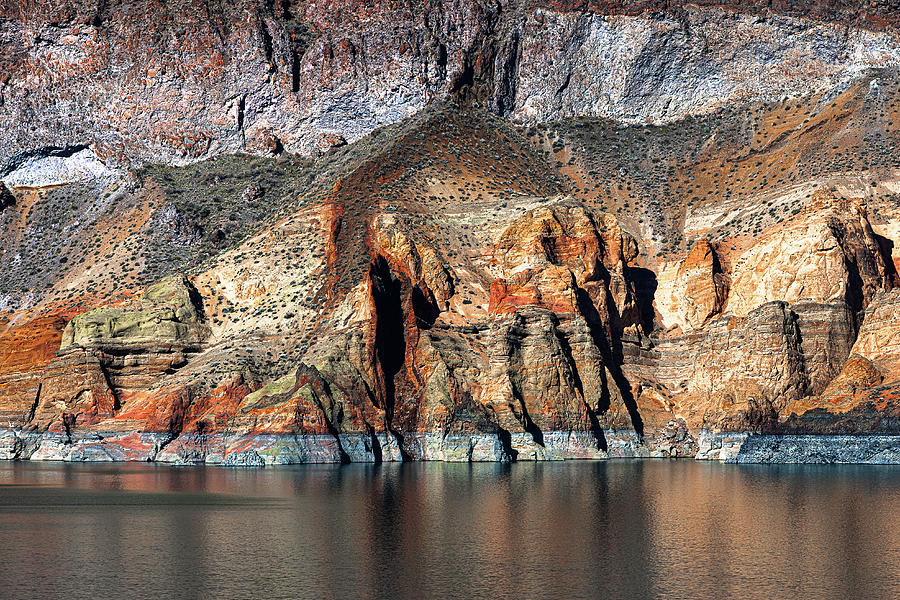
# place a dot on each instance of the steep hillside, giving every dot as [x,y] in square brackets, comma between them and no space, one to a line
[441,290]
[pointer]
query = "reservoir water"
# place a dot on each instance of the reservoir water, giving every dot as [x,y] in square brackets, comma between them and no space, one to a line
[618,529]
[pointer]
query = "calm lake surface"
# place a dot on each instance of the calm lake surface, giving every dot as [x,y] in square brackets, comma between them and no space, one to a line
[618,529]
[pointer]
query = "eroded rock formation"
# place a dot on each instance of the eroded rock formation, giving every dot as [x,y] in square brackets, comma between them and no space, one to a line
[175,80]
[514,231]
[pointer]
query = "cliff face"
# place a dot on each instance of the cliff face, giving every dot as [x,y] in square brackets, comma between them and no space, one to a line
[173,81]
[514,231]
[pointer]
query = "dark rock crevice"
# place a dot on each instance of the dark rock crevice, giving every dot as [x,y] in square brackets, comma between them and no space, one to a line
[390,331]
[507,79]
[610,346]
[505,438]
[524,418]
[99,13]
[319,387]
[34,404]
[6,197]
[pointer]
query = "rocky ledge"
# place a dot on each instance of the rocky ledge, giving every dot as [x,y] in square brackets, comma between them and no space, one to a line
[812,449]
[258,450]
[247,450]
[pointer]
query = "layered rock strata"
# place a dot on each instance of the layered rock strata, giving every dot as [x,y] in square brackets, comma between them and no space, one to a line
[452,287]
[175,80]
[558,364]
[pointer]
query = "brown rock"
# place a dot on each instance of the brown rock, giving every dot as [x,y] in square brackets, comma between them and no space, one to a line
[701,290]
[829,254]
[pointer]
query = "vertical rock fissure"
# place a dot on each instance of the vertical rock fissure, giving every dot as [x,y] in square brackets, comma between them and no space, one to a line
[97,20]
[507,85]
[314,379]
[34,405]
[109,385]
[525,419]
[611,351]
[390,332]
[593,421]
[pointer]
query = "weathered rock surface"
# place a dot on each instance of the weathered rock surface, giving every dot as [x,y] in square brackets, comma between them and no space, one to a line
[870,449]
[700,289]
[452,287]
[879,337]
[863,396]
[108,355]
[169,313]
[790,309]
[176,80]
[55,166]
[832,255]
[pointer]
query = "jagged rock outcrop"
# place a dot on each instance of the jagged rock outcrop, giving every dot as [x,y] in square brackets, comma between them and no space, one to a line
[830,255]
[863,396]
[169,314]
[405,382]
[419,262]
[558,256]
[396,381]
[791,315]
[879,337]
[109,355]
[700,290]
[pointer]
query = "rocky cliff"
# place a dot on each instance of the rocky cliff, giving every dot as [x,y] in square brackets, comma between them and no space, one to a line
[179,80]
[324,232]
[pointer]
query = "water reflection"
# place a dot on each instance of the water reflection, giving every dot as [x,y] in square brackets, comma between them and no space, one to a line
[568,530]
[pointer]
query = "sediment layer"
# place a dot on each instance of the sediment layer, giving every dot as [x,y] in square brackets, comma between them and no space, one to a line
[262,450]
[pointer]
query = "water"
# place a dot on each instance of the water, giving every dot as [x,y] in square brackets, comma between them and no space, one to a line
[622,529]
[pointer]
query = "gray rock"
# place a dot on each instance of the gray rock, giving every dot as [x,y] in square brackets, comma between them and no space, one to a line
[341,77]
[719,446]
[53,446]
[248,458]
[10,445]
[820,449]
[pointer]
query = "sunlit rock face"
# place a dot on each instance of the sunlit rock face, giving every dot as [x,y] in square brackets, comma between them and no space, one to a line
[328,232]
[558,364]
[778,322]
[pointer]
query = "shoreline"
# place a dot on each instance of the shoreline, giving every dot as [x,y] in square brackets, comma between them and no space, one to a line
[261,450]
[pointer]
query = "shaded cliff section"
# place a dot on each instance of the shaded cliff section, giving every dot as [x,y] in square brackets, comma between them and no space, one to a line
[175,81]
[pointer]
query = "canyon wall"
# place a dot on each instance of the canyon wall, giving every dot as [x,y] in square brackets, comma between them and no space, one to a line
[258,233]
[175,81]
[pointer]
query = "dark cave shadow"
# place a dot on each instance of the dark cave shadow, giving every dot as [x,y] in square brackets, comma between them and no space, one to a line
[645,286]
[390,333]
[886,247]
